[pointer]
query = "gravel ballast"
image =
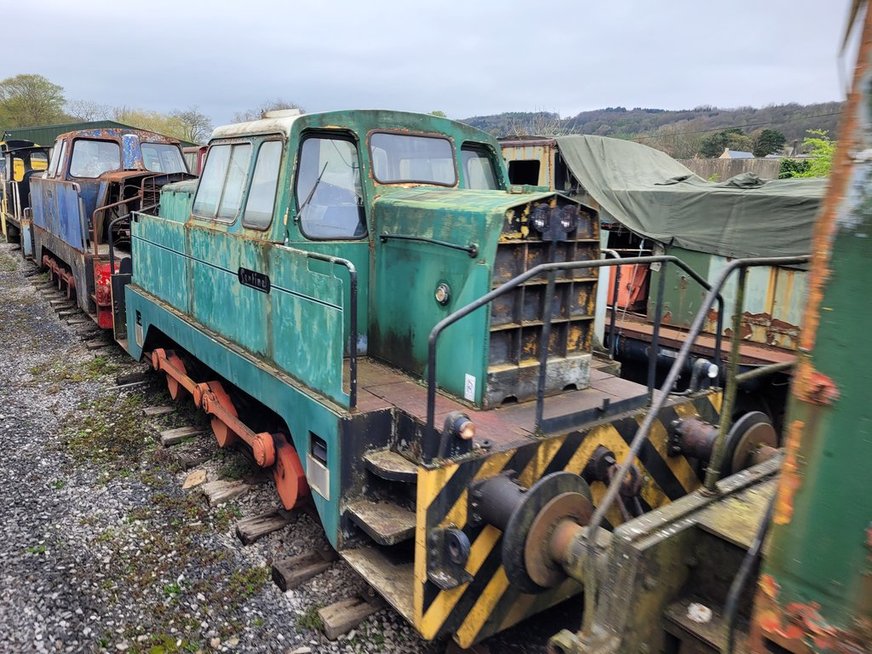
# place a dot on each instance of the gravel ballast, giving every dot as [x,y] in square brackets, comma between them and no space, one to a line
[103,550]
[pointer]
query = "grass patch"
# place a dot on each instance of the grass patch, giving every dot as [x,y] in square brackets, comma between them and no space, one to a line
[247,583]
[309,620]
[236,466]
[36,549]
[109,430]
[226,514]
[7,263]
[60,372]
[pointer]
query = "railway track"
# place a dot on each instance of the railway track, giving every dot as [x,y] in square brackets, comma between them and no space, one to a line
[326,604]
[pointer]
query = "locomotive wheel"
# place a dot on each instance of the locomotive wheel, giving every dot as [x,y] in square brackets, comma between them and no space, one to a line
[222,432]
[175,389]
[288,473]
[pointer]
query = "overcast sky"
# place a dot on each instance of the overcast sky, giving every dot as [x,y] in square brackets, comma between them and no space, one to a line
[466,57]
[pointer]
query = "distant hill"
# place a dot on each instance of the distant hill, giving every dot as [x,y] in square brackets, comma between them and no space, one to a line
[678,132]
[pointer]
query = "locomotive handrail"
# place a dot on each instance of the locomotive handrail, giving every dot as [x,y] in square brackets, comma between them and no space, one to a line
[660,399]
[430,436]
[614,312]
[471,249]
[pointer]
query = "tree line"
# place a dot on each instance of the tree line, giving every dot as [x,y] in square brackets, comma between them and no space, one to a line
[31,100]
[703,131]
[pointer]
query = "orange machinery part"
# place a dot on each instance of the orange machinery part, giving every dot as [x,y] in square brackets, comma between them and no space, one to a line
[633,289]
[269,450]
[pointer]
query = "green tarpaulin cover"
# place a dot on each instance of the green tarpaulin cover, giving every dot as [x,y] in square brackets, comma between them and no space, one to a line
[655,196]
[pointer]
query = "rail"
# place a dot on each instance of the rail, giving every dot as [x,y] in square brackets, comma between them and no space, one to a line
[431,438]
[710,483]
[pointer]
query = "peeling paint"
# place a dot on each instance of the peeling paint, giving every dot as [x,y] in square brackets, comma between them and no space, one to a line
[790,477]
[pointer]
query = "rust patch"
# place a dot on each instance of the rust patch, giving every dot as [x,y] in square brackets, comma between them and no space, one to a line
[812,386]
[798,627]
[769,586]
[790,477]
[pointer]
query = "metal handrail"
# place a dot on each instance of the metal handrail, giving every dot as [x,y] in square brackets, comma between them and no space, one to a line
[614,313]
[430,443]
[659,401]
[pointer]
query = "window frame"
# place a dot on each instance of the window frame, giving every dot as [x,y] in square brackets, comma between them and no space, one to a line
[481,149]
[72,150]
[231,143]
[342,135]
[166,145]
[278,189]
[57,169]
[428,135]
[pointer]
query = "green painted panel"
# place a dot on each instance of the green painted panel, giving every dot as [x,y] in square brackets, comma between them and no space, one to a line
[682,296]
[308,320]
[301,412]
[176,200]
[407,273]
[774,297]
[823,521]
[219,301]
[161,263]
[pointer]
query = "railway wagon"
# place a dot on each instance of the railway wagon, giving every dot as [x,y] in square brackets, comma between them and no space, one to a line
[21,161]
[355,298]
[82,203]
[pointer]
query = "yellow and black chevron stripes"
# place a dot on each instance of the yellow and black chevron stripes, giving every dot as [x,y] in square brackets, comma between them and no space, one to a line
[488,603]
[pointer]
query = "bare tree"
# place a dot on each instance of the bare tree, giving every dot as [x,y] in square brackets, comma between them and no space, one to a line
[88,110]
[187,125]
[541,123]
[195,126]
[679,142]
[260,111]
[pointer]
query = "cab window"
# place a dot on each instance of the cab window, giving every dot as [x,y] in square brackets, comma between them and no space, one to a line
[478,167]
[38,161]
[93,158]
[57,156]
[409,158]
[219,193]
[328,194]
[264,181]
[163,158]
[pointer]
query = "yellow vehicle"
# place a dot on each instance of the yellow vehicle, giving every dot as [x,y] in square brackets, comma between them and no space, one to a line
[20,161]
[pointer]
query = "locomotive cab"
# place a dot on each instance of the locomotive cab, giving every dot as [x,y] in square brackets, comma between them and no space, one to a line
[82,204]
[362,301]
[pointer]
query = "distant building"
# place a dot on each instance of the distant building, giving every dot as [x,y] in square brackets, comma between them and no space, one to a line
[46,134]
[736,154]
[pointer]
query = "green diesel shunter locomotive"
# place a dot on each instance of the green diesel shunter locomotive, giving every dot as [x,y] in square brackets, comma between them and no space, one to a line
[323,293]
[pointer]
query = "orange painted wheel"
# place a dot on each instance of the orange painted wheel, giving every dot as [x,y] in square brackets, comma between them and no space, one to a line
[222,433]
[288,473]
[220,429]
[173,386]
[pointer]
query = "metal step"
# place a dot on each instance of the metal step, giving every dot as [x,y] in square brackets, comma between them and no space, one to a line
[699,631]
[384,522]
[391,466]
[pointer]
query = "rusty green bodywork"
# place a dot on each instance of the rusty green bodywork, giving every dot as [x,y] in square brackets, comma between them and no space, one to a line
[287,347]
